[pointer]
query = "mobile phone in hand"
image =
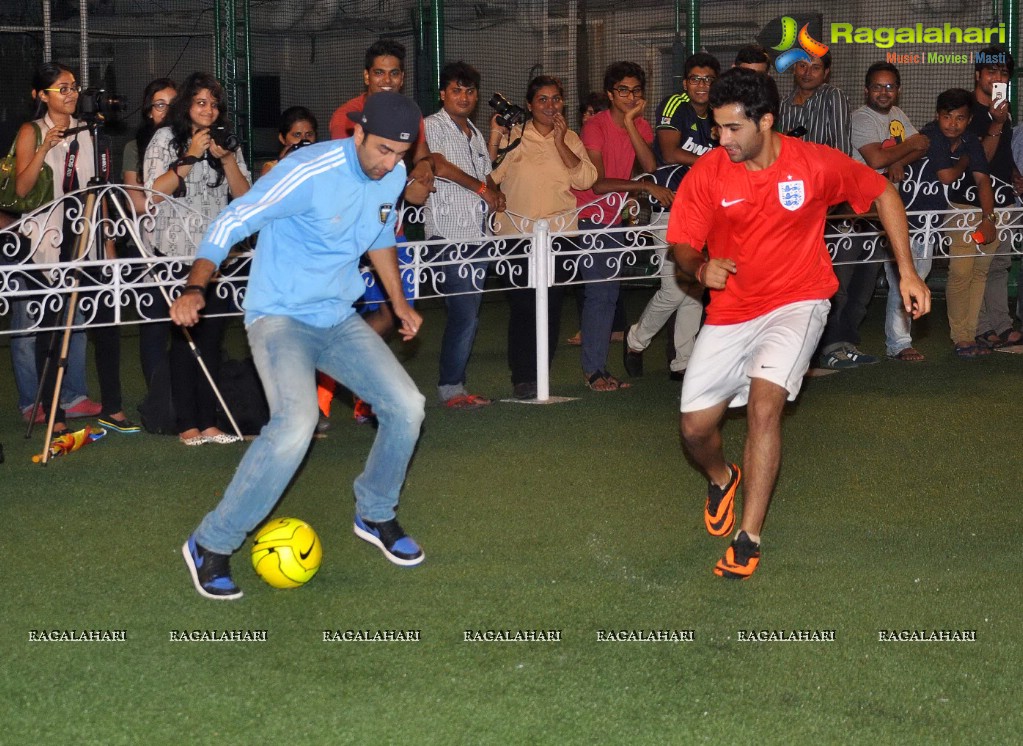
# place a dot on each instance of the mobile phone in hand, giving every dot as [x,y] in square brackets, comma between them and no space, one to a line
[999,92]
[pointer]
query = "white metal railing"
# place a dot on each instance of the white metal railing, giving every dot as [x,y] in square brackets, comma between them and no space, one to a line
[542,254]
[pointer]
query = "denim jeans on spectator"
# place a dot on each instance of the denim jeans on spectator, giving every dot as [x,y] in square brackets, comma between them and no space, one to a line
[462,287]
[600,294]
[23,359]
[857,280]
[896,321]
[287,352]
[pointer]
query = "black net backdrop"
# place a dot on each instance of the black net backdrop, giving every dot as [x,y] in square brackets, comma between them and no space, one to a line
[310,52]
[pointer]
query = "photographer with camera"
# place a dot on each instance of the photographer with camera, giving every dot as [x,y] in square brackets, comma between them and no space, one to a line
[543,161]
[196,161]
[58,147]
[298,128]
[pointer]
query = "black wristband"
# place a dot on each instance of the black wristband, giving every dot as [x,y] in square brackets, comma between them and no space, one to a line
[188,160]
[201,289]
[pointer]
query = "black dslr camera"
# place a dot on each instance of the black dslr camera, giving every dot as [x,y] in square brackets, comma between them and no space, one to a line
[508,114]
[225,138]
[300,144]
[96,103]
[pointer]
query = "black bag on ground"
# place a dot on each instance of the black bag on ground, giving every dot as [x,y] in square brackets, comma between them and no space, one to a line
[243,393]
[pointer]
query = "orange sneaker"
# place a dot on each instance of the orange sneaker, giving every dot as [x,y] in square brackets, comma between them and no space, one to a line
[740,560]
[719,511]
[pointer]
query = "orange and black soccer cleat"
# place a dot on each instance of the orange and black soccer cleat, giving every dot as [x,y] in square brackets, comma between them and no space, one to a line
[740,560]
[719,512]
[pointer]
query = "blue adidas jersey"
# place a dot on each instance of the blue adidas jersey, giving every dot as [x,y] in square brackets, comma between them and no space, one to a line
[316,213]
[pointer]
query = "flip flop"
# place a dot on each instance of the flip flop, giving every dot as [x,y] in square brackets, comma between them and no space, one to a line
[908,355]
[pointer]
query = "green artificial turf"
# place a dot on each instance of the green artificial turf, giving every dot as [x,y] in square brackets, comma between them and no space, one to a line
[896,508]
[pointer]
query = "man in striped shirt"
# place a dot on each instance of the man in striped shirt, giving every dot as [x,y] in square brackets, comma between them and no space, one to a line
[816,105]
[821,111]
[316,213]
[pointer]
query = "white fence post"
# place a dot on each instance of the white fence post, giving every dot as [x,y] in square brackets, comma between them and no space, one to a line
[541,273]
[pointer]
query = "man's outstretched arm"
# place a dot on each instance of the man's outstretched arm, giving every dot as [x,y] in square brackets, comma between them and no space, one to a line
[916,296]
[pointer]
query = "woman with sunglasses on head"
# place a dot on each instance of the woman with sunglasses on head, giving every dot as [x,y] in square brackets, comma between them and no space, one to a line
[184,161]
[70,158]
[537,176]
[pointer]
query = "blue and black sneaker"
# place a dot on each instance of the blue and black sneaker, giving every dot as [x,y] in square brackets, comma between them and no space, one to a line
[390,539]
[211,572]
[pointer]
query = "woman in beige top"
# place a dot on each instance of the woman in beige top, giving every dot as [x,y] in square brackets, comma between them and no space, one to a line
[537,176]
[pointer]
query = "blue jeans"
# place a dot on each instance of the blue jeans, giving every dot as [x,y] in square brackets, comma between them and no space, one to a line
[23,358]
[599,295]
[897,322]
[462,288]
[287,352]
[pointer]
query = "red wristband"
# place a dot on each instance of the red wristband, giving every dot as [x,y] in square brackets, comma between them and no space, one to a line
[699,277]
[482,189]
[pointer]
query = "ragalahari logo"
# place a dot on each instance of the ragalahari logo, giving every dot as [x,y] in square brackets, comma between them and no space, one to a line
[791,33]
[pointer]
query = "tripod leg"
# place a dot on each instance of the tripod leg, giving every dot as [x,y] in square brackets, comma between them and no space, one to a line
[81,250]
[62,363]
[39,388]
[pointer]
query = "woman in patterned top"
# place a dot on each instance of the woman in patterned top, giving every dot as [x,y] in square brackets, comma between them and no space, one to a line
[183,161]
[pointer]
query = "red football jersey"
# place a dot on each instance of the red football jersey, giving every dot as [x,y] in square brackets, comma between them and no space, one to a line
[770,223]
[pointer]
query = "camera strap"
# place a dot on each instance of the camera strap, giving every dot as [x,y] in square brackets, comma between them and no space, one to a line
[502,152]
[102,144]
[70,172]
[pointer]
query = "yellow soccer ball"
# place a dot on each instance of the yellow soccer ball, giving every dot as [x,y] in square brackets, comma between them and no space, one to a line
[286,553]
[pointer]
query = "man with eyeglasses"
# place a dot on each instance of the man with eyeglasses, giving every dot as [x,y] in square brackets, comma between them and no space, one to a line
[992,122]
[684,127]
[684,133]
[618,141]
[885,139]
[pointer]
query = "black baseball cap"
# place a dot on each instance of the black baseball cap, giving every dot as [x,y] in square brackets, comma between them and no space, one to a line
[389,115]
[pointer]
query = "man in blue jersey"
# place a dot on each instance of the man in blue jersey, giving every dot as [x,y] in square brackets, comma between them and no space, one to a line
[316,213]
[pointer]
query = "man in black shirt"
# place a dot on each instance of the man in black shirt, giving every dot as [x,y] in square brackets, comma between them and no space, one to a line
[992,124]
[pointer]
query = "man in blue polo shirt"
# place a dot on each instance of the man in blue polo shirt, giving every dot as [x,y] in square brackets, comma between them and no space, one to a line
[316,213]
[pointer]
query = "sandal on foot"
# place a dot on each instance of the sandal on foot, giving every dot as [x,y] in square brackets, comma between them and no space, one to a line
[966,351]
[1010,338]
[908,355]
[604,381]
[575,340]
[467,401]
[990,338]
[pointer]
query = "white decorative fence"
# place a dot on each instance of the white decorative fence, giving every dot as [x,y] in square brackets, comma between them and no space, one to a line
[541,255]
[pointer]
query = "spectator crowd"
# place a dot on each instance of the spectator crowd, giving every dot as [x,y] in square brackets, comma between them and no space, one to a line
[530,165]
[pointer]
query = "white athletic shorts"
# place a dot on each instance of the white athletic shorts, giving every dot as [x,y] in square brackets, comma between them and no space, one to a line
[777,347]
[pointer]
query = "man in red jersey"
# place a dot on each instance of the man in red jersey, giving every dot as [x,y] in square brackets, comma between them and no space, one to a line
[758,204]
